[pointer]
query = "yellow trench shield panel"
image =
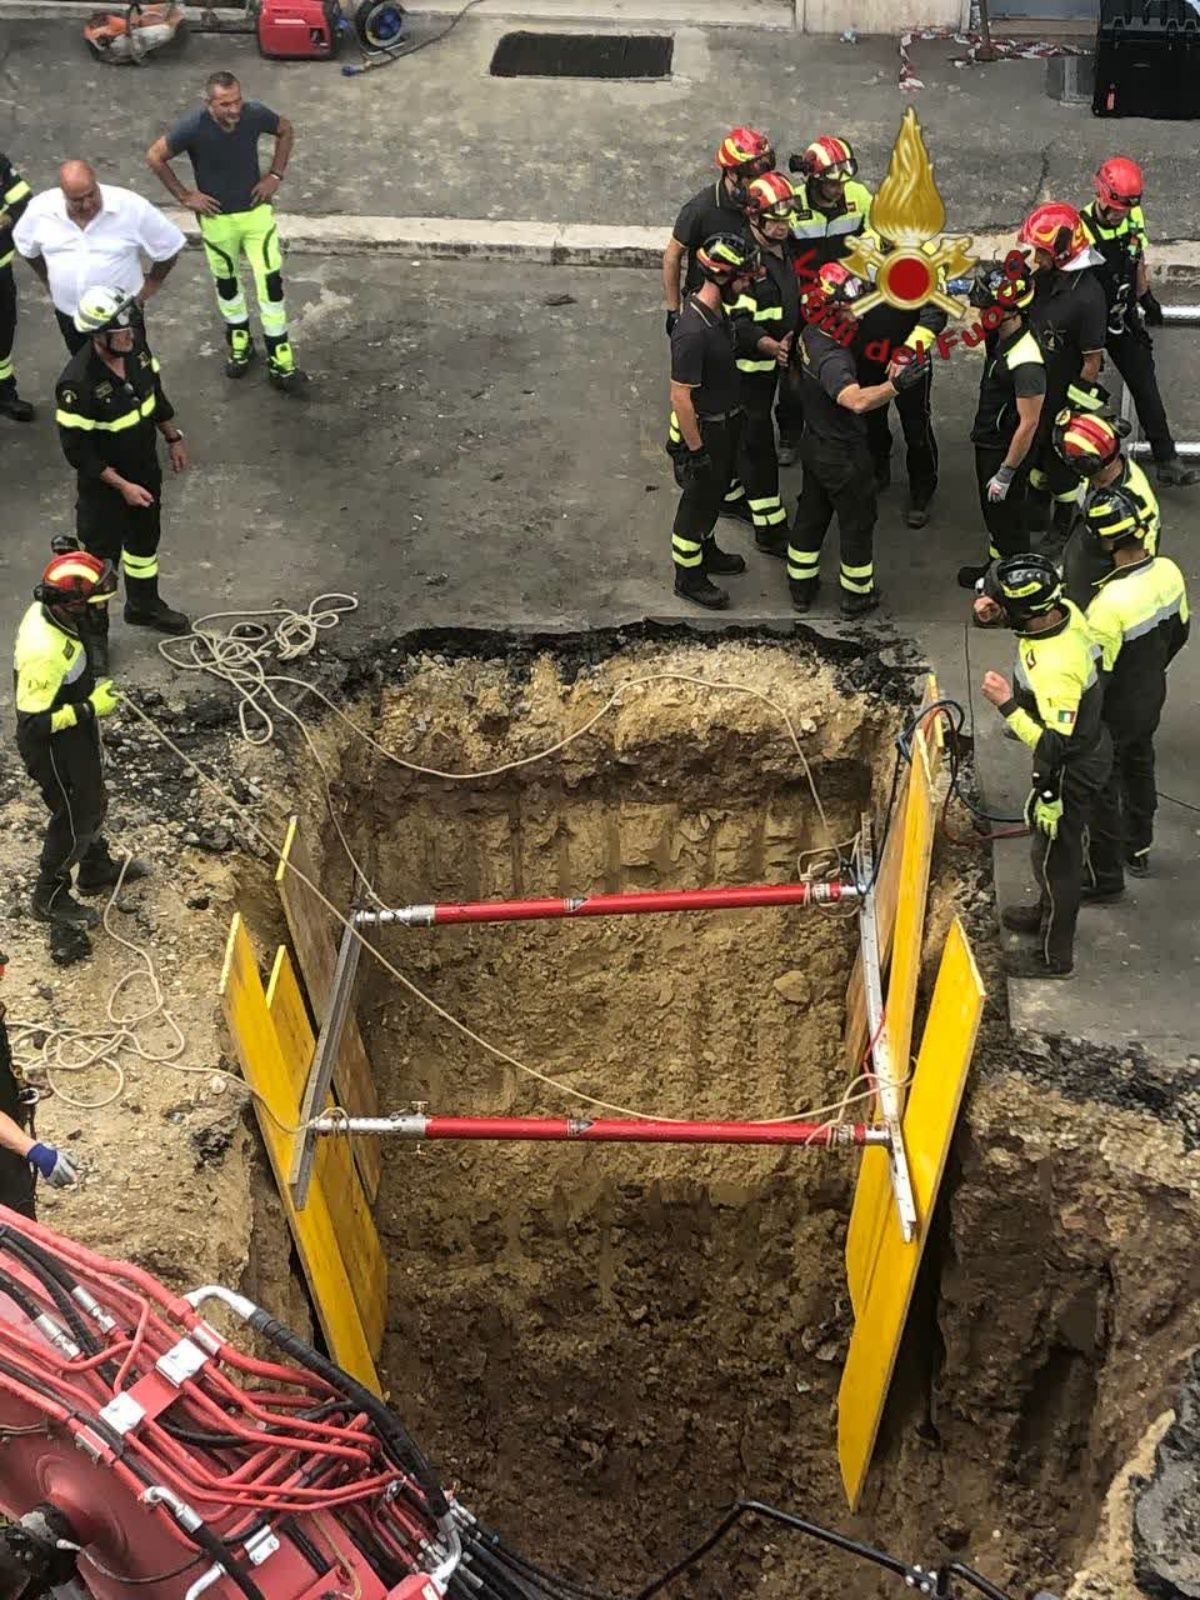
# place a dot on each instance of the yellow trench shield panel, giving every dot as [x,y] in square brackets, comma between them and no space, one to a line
[265,1070]
[933,1105]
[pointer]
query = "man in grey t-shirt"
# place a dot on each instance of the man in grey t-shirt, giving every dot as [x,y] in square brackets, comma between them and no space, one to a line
[232,200]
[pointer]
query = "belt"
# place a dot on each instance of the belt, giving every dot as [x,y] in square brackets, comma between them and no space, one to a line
[719,416]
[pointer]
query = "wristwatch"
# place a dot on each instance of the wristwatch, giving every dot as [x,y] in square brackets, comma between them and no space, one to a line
[175,437]
[278,176]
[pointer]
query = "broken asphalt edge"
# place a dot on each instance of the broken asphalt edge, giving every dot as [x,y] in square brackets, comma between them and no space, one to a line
[566,244]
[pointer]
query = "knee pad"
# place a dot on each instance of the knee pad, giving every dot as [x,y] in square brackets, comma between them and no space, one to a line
[274,283]
[227,288]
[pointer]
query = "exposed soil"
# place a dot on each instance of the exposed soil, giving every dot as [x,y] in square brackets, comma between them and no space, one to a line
[603,1345]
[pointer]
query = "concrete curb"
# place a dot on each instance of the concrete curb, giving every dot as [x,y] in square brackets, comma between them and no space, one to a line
[772,15]
[563,244]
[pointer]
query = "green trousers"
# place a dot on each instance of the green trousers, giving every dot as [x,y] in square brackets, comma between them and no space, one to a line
[227,237]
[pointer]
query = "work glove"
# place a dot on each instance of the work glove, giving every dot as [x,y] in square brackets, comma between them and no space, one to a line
[672,319]
[909,375]
[57,1168]
[104,698]
[1151,310]
[1044,815]
[1000,483]
[697,464]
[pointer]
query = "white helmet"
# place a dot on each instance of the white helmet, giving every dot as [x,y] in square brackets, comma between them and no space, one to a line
[100,309]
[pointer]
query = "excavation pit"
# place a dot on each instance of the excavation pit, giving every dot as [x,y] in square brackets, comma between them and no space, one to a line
[613,1337]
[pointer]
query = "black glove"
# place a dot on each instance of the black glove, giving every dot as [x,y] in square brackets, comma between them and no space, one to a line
[910,374]
[696,465]
[672,319]
[1151,310]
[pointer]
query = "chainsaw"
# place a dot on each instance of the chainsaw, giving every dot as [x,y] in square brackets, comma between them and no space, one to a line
[119,37]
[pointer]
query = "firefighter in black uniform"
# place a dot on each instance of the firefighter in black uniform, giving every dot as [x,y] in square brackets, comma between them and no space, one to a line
[706,413]
[719,207]
[831,208]
[1138,615]
[883,331]
[1117,230]
[1012,392]
[15,195]
[765,320]
[21,1154]
[1069,314]
[834,449]
[1055,709]
[1089,443]
[59,703]
[111,410]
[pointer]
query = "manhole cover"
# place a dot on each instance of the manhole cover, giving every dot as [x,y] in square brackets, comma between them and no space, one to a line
[583,55]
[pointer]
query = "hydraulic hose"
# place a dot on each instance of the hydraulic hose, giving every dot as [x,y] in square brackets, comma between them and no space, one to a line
[45,1268]
[395,1437]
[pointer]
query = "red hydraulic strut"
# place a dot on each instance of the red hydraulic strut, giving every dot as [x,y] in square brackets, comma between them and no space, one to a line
[618,905]
[599,1131]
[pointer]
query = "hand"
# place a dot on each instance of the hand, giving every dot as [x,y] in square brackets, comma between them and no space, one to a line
[104,698]
[783,351]
[1046,815]
[672,319]
[988,614]
[1000,483]
[265,189]
[696,464]
[134,495]
[996,688]
[909,375]
[202,204]
[1151,309]
[177,454]
[58,1169]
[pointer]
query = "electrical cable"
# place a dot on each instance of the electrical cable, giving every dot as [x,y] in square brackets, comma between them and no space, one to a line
[397,54]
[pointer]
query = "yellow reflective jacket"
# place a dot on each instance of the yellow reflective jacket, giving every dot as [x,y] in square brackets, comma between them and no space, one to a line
[1057,697]
[52,677]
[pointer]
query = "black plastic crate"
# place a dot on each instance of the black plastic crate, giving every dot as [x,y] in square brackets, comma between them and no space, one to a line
[1148,60]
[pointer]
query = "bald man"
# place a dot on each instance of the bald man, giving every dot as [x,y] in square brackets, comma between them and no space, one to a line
[86,235]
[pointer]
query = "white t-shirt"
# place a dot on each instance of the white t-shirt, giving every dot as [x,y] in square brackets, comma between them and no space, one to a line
[106,253]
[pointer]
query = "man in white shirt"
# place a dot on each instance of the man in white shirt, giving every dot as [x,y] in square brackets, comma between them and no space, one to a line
[86,234]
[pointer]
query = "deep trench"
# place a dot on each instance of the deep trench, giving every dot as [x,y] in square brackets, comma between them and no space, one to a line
[602,1346]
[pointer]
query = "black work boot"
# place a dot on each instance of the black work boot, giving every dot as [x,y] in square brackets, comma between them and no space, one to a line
[858,605]
[692,583]
[738,511]
[724,563]
[771,545]
[242,352]
[1101,894]
[52,901]
[11,404]
[803,593]
[916,514]
[1033,964]
[1022,919]
[1175,475]
[1137,863]
[145,608]
[98,871]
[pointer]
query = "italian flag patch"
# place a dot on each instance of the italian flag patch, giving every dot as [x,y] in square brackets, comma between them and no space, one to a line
[1067,718]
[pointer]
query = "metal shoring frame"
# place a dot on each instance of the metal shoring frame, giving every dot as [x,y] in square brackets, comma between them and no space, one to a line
[881,1050]
[1187,449]
[320,1073]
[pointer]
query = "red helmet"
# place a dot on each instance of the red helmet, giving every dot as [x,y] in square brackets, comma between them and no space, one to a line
[746,152]
[835,285]
[1056,229]
[1085,441]
[1118,184]
[830,157]
[76,579]
[771,197]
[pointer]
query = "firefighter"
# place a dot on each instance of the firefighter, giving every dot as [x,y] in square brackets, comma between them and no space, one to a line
[1012,392]
[59,706]
[111,411]
[14,197]
[1138,615]
[1117,230]
[765,319]
[706,414]
[22,1156]
[1089,443]
[889,337]
[1069,315]
[831,207]
[834,448]
[1055,709]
